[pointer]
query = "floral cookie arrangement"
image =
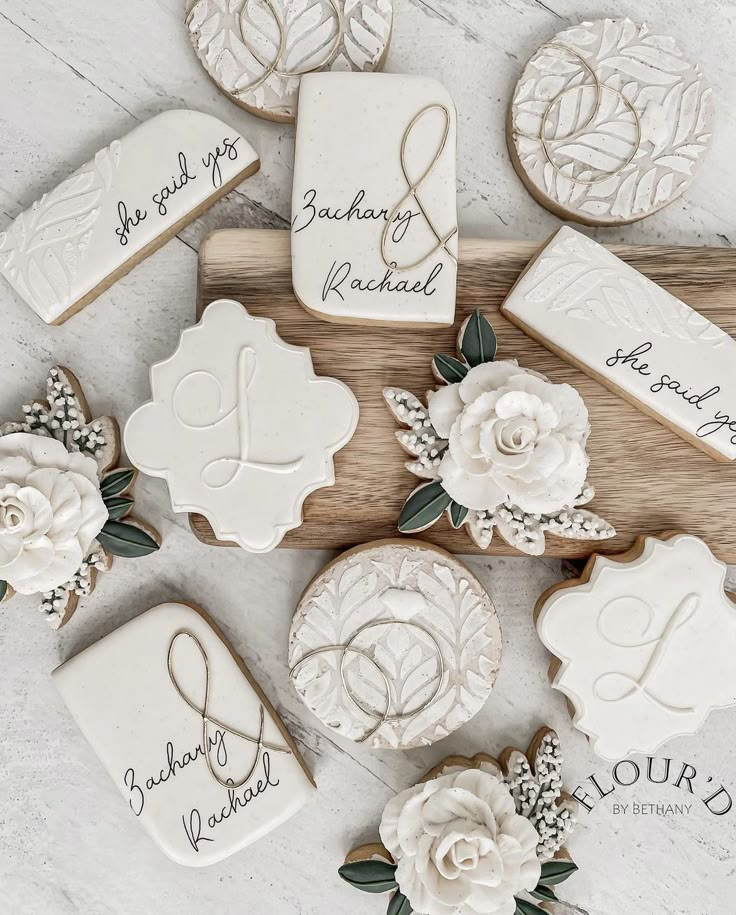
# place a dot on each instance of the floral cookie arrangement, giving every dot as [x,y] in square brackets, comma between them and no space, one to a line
[502,446]
[64,503]
[475,837]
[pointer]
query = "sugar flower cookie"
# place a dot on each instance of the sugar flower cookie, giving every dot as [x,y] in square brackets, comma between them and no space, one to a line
[240,427]
[64,502]
[593,309]
[395,643]
[609,122]
[135,194]
[475,837]
[644,643]
[187,735]
[501,446]
[257,51]
[374,213]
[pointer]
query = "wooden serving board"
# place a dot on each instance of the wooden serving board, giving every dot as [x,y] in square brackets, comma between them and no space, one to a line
[647,479]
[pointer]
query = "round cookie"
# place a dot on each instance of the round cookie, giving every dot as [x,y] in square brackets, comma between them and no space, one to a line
[256,51]
[609,123]
[395,643]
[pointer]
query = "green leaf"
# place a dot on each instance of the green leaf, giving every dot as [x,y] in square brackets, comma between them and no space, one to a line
[477,340]
[116,482]
[370,876]
[118,507]
[523,907]
[449,369]
[554,872]
[125,540]
[423,507]
[399,905]
[544,893]
[458,514]
[3,590]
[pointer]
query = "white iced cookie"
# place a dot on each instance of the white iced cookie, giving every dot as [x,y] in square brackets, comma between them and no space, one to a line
[374,214]
[395,643]
[591,308]
[256,51]
[240,427]
[644,644]
[191,742]
[609,122]
[113,212]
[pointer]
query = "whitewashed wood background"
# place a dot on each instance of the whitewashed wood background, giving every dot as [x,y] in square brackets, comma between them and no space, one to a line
[73,76]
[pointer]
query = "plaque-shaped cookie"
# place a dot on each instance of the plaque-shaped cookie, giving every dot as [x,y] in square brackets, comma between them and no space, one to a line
[193,745]
[240,427]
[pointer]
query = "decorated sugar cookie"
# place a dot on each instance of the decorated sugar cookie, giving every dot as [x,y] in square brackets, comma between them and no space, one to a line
[193,745]
[644,643]
[374,215]
[499,447]
[395,643]
[609,122]
[475,837]
[587,305]
[65,504]
[93,228]
[257,51]
[240,427]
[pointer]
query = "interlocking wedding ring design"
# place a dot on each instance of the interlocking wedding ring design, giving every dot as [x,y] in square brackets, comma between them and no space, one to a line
[349,648]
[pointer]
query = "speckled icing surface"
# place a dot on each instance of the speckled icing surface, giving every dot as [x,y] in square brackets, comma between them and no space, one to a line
[646,645]
[442,650]
[110,209]
[631,334]
[240,426]
[257,50]
[610,121]
[374,214]
[149,736]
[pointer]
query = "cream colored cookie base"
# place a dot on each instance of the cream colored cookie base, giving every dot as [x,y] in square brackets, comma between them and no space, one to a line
[121,696]
[549,330]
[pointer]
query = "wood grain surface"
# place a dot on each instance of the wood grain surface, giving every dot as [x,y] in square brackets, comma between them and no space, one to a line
[646,478]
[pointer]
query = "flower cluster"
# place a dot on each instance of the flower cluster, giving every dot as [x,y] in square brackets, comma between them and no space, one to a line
[501,446]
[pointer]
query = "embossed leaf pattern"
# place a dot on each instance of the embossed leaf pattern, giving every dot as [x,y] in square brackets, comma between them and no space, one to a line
[455,615]
[42,250]
[235,38]
[574,276]
[646,72]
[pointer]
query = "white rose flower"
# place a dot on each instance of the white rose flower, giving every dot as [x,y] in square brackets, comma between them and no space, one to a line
[460,846]
[50,511]
[514,436]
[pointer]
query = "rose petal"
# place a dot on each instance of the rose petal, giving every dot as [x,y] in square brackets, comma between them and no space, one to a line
[444,406]
[473,491]
[11,546]
[32,563]
[487,377]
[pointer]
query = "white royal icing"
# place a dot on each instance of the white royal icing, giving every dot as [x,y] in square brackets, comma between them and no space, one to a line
[646,646]
[636,336]
[145,723]
[257,50]
[620,148]
[440,656]
[132,192]
[354,182]
[241,427]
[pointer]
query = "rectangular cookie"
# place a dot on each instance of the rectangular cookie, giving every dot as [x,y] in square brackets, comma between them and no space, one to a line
[188,737]
[374,212]
[121,206]
[588,306]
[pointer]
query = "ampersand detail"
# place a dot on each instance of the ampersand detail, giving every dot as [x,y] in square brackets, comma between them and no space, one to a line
[208,720]
[413,194]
